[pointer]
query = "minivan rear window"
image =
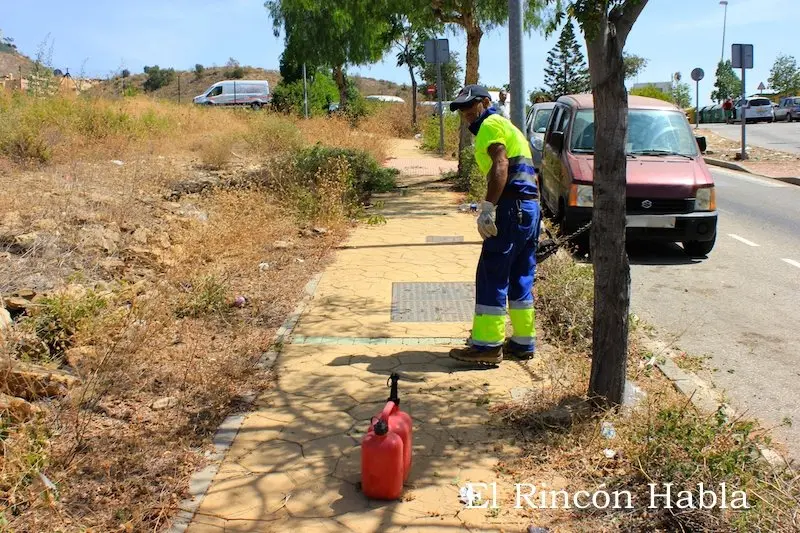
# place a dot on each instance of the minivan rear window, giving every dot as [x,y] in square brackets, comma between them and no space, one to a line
[760,101]
[649,130]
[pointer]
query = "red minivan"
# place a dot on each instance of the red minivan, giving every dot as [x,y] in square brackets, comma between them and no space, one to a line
[670,192]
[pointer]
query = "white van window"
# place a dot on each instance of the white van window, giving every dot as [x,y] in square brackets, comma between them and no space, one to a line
[216,91]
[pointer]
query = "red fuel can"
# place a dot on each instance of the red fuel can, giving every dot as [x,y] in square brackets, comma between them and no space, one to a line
[399,422]
[382,463]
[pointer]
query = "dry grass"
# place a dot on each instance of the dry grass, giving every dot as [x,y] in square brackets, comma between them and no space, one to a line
[170,351]
[662,439]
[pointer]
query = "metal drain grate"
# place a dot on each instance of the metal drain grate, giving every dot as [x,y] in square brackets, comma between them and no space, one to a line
[433,302]
[439,238]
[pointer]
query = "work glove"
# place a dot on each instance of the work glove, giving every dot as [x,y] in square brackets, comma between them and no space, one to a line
[486,220]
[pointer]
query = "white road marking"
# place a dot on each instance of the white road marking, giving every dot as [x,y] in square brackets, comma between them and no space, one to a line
[764,182]
[792,262]
[742,239]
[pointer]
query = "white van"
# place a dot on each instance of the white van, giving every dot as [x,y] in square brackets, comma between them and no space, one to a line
[254,93]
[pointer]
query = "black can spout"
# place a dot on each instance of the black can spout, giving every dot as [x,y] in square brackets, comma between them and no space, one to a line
[393,394]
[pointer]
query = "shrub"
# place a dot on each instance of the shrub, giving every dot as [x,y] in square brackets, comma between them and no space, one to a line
[198,70]
[26,146]
[367,175]
[430,134]
[272,135]
[56,319]
[288,97]
[236,73]
[216,152]
[158,78]
[206,296]
[565,300]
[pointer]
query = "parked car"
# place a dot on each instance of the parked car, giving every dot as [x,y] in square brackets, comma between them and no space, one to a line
[670,195]
[536,125]
[757,109]
[788,109]
[253,93]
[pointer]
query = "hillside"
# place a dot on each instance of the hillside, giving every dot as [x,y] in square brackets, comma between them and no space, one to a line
[11,62]
[192,84]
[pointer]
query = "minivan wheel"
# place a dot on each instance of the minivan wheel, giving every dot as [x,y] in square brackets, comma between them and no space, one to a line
[255,106]
[698,248]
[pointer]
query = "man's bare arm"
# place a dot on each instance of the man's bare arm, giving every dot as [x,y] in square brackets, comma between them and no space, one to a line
[498,175]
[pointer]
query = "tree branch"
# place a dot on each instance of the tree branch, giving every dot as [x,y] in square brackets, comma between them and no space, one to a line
[624,16]
[449,18]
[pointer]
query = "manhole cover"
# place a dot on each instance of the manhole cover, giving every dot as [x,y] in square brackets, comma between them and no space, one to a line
[444,238]
[433,302]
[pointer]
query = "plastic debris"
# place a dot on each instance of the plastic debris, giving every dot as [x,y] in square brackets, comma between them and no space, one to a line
[263,267]
[117,162]
[607,430]
[239,301]
[534,529]
[609,453]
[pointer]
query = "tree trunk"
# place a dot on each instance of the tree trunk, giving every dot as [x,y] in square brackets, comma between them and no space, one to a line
[611,268]
[474,35]
[413,95]
[341,83]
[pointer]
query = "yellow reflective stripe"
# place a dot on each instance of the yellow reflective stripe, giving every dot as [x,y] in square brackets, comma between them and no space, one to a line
[523,321]
[488,330]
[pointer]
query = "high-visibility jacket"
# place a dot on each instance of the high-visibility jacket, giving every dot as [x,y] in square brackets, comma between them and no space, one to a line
[493,128]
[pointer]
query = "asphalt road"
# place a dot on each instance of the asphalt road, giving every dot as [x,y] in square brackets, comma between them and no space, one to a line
[739,306]
[783,136]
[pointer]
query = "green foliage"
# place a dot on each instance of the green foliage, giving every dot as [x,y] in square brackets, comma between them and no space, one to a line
[430,134]
[288,97]
[681,95]
[198,70]
[634,65]
[451,77]
[334,33]
[236,73]
[566,71]
[651,91]
[56,319]
[727,85]
[367,176]
[158,77]
[784,76]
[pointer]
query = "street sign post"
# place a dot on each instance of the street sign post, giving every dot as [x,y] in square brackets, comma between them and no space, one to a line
[742,57]
[437,51]
[697,75]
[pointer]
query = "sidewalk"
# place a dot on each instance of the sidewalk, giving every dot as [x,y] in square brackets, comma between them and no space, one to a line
[295,463]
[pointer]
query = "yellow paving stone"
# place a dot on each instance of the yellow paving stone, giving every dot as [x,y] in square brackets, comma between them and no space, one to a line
[332,404]
[305,470]
[332,446]
[252,497]
[270,456]
[325,498]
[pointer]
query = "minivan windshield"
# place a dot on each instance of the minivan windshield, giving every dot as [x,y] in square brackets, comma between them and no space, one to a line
[541,120]
[650,132]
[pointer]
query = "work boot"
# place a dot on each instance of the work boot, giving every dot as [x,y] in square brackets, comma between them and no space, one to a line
[471,354]
[513,351]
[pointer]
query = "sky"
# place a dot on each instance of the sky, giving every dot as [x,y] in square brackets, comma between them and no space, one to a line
[100,39]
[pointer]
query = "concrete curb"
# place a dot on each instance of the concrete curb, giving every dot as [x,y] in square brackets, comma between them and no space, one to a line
[226,432]
[740,168]
[702,395]
[727,164]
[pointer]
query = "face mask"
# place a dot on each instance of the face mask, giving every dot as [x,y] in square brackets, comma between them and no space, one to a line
[475,126]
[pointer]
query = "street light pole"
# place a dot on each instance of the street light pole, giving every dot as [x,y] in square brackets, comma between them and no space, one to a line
[516,70]
[724,24]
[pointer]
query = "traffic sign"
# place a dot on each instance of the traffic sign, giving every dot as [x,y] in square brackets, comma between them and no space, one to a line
[437,51]
[698,74]
[761,86]
[742,55]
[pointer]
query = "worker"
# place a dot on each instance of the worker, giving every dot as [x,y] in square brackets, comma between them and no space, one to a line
[509,223]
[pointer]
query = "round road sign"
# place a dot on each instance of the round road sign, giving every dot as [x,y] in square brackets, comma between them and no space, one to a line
[697,74]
